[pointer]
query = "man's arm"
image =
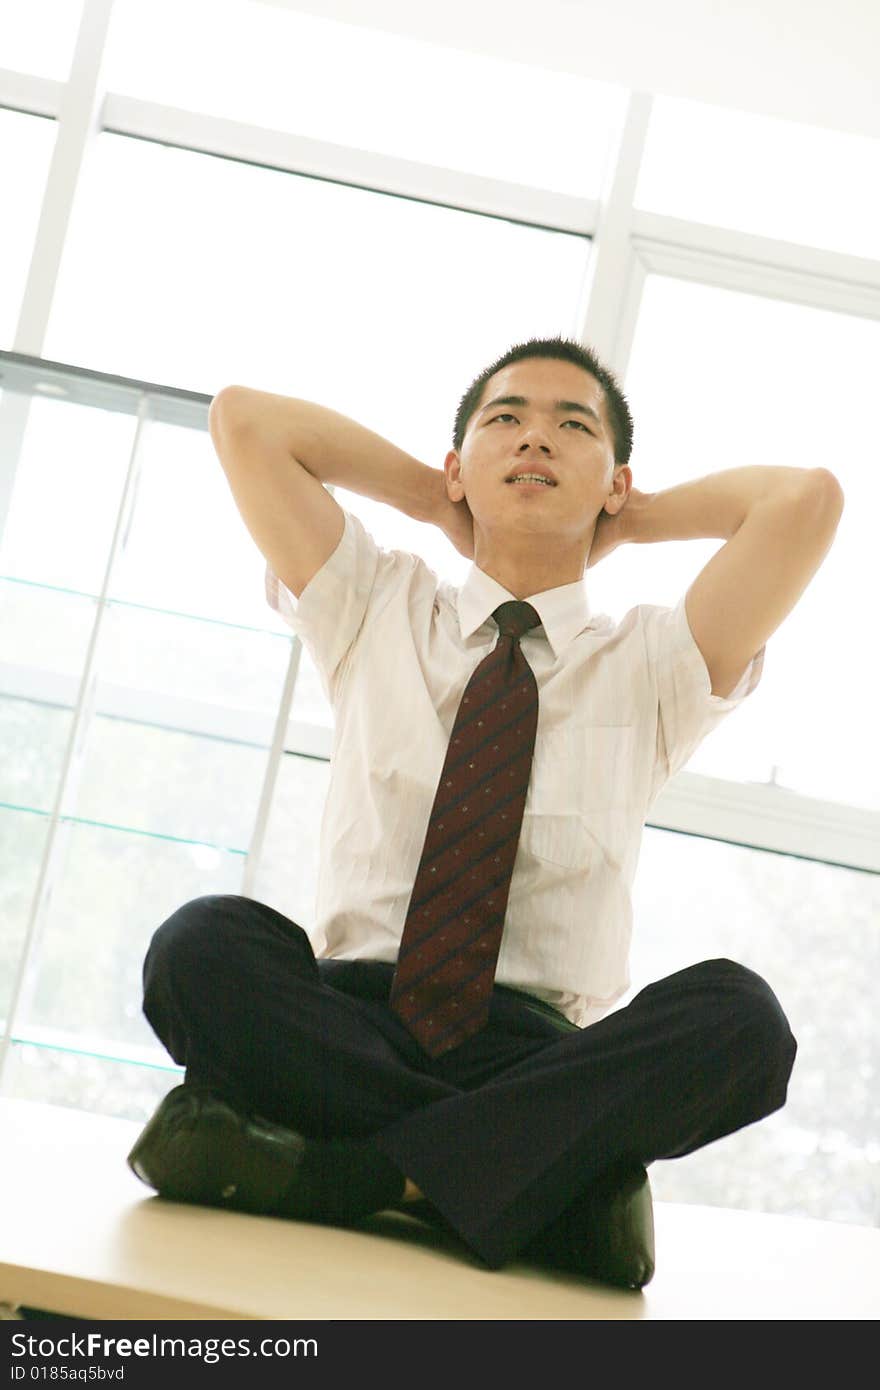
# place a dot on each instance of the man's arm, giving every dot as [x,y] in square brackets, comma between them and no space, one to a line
[779,524]
[336,449]
[278,452]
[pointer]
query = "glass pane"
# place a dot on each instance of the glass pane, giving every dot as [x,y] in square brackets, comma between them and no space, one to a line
[22,841]
[191,782]
[81,1082]
[38,36]
[775,178]
[720,380]
[26,147]
[33,735]
[112,891]
[296,285]
[78,456]
[186,517]
[170,687]
[812,931]
[44,637]
[357,86]
[210,670]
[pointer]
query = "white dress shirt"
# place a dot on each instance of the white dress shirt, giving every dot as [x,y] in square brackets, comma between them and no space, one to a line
[621,708]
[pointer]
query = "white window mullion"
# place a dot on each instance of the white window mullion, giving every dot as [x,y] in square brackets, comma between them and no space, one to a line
[76,112]
[270,780]
[610,297]
[78,126]
[32,95]
[293,153]
[719,257]
[771,818]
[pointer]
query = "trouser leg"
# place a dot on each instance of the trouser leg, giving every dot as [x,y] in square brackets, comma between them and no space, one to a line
[232,989]
[693,1057]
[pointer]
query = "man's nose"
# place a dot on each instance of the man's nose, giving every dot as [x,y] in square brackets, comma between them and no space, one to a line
[534,436]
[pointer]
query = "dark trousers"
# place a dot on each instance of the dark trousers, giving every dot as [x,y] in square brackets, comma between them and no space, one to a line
[501,1134]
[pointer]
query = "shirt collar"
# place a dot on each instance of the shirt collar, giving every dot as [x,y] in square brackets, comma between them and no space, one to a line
[564,611]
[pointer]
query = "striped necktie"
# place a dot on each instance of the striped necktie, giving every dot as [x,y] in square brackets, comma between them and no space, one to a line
[452,934]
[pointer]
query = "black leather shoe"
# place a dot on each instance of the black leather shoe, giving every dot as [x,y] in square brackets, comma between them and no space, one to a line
[607,1234]
[196,1148]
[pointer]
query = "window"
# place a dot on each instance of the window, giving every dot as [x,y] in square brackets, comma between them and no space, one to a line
[160,792]
[357,86]
[805,928]
[181,267]
[163,791]
[38,36]
[775,178]
[719,380]
[26,146]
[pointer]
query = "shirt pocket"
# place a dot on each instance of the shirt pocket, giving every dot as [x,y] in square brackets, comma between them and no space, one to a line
[580,790]
[580,767]
[560,840]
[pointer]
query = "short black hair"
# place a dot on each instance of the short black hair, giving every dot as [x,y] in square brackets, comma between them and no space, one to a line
[564,350]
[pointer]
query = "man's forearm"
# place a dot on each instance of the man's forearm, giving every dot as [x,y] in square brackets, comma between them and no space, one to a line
[714,506]
[335,449]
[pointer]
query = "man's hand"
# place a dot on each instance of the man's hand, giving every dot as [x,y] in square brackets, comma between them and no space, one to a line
[612,531]
[454,519]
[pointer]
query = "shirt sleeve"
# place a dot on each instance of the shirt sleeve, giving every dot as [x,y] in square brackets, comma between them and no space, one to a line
[686,708]
[330,611]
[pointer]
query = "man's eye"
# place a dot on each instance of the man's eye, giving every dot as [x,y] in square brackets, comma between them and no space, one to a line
[506,415]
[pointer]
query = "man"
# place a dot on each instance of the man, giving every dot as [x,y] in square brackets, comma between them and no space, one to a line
[315,1087]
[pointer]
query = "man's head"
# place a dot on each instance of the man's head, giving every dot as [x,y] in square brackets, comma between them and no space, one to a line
[617,410]
[547,405]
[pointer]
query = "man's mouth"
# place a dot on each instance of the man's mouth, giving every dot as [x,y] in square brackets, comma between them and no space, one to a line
[531,480]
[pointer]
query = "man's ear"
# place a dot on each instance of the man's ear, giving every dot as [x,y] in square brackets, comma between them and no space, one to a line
[452,469]
[622,484]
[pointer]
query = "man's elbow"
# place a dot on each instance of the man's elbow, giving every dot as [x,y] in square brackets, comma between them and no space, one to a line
[830,486]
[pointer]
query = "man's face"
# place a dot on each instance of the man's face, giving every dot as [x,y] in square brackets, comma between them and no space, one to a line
[560,426]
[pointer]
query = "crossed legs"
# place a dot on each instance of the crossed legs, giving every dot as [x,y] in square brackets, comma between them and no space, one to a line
[506,1135]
